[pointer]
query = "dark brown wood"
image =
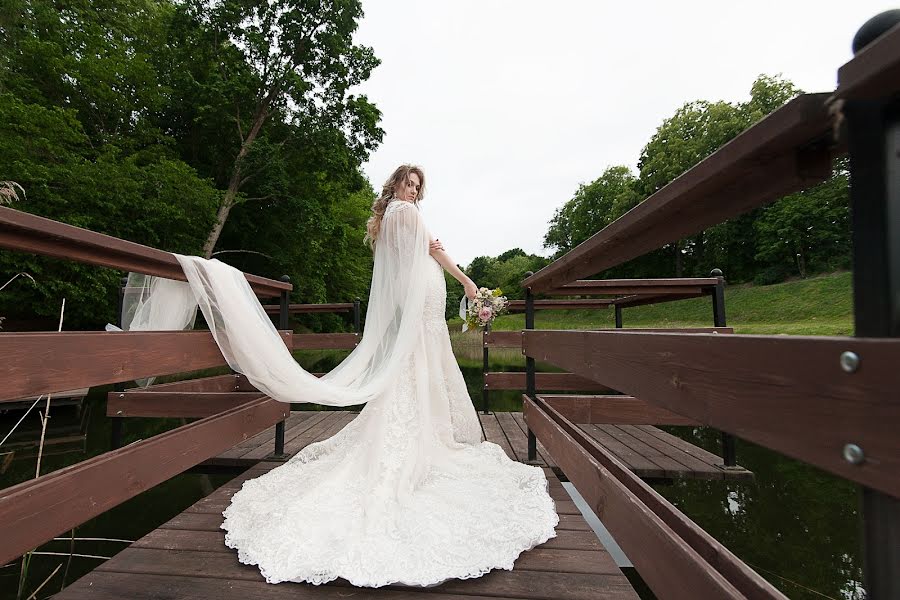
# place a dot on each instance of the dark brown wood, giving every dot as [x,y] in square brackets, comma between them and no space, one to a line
[45,362]
[234,382]
[518,306]
[502,339]
[787,393]
[188,552]
[35,511]
[584,580]
[325,341]
[513,339]
[295,309]
[776,156]
[874,72]
[641,300]
[308,431]
[584,289]
[674,556]
[614,409]
[494,433]
[30,233]
[267,437]
[173,404]
[543,381]
[670,284]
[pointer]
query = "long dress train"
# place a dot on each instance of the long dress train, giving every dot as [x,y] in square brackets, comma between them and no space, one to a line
[408,492]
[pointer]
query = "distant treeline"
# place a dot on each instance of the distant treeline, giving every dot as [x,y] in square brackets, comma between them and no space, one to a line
[155,120]
[799,235]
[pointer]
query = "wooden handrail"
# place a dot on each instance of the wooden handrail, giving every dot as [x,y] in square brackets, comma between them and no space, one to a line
[874,72]
[789,150]
[673,555]
[30,233]
[35,511]
[311,308]
[787,393]
[46,362]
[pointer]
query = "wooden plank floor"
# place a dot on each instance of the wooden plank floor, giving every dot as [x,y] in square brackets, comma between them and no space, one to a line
[187,558]
[648,451]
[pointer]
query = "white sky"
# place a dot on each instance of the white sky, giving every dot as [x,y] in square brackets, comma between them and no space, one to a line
[510,105]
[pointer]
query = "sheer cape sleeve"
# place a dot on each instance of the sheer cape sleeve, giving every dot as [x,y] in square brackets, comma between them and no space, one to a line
[251,344]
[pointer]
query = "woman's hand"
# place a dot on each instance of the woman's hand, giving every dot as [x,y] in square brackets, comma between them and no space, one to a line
[471,289]
[435,246]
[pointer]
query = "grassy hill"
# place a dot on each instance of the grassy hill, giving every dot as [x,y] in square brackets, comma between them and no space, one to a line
[816,306]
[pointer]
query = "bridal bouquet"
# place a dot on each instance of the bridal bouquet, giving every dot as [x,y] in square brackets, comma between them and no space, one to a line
[486,306]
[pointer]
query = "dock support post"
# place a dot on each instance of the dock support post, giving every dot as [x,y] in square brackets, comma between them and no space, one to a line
[718,304]
[117,426]
[283,323]
[618,316]
[485,392]
[873,128]
[529,368]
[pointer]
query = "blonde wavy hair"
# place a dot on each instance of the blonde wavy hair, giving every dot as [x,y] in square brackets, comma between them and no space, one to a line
[400,176]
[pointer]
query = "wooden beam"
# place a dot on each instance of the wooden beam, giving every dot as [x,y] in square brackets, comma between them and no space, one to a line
[310,308]
[624,410]
[325,341]
[174,404]
[502,339]
[30,233]
[678,286]
[46,362]
[784,152]
[874,72]
[674,556]
[543,381]
[35,511]
[513,339]
[183,398]
[517,306]
[788,393]
[640,300]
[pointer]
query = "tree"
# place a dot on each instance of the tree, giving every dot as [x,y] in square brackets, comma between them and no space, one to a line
[293,59]
[593,207]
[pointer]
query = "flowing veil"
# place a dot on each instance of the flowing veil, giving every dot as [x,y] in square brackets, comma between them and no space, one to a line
[252,346]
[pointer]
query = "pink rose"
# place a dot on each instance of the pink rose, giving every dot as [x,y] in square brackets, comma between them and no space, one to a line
[485,313]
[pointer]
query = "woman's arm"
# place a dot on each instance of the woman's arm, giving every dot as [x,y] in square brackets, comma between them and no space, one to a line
[436,249]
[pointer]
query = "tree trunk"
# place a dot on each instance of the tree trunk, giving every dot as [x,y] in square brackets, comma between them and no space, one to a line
[234,184]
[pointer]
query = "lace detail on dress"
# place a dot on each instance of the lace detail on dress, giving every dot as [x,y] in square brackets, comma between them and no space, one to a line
[386,500]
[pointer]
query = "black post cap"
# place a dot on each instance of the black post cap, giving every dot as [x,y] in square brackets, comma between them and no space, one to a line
[716,273]
[285,278]
[874,28]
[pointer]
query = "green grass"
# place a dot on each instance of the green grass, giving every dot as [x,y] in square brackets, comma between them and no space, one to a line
[815,306]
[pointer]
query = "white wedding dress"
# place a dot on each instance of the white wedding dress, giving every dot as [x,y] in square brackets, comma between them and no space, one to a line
[407,492]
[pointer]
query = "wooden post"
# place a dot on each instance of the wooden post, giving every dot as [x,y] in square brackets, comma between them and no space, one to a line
[718,304]
[485,392]
[283,323]
[873,128]
[117,426]
[529,368]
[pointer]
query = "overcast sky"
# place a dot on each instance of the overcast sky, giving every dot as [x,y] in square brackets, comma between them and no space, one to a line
[510,105]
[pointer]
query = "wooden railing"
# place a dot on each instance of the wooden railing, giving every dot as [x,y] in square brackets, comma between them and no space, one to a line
[35,511]
[608,408]
[829,401]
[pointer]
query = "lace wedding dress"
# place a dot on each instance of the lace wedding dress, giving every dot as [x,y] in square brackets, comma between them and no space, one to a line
[408,492]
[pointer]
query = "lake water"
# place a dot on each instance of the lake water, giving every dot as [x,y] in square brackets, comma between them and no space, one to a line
[796,525]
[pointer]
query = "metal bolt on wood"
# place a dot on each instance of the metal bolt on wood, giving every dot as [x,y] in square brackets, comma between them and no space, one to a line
[849,362]
[853,454]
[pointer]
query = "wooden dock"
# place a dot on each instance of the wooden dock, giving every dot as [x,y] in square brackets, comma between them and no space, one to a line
[187,557]
[648,451]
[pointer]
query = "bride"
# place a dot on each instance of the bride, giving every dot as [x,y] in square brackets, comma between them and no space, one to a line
[407,492]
